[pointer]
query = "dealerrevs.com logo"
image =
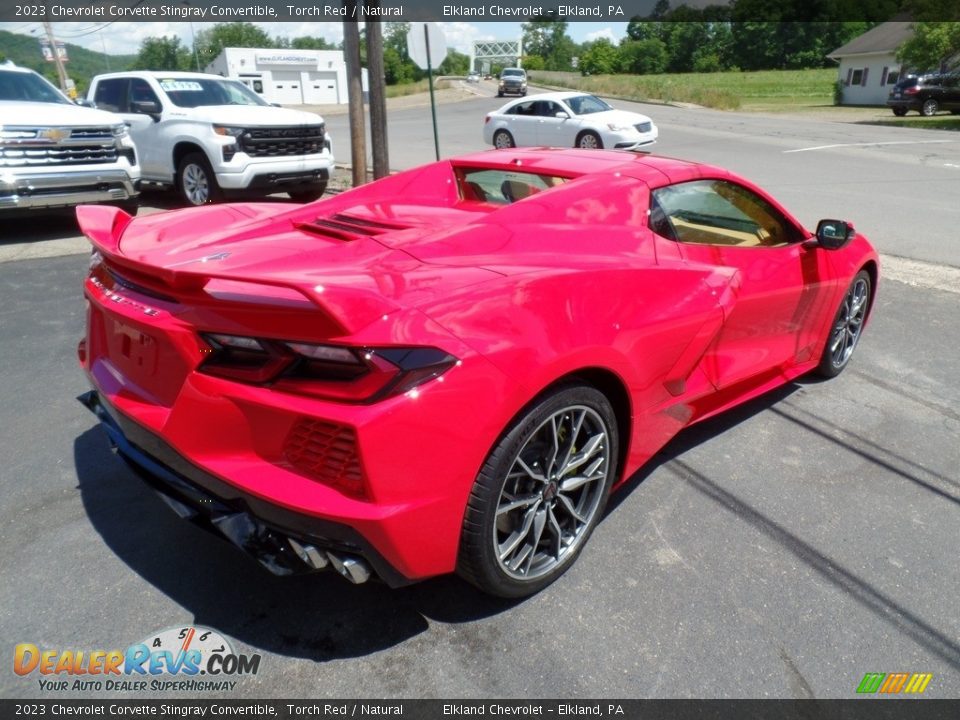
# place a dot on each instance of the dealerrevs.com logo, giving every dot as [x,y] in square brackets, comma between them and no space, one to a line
[189,659]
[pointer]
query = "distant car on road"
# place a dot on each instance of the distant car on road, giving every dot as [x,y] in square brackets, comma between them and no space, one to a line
[513,81]
[567,119]
[473,77]
[927,94]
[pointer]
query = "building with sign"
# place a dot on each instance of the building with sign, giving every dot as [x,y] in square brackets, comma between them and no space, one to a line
[287,77]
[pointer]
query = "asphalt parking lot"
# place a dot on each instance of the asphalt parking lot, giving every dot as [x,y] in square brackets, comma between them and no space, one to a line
[781,550]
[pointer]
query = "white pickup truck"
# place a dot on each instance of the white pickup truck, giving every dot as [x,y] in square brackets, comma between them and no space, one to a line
[57,154]
[208,136]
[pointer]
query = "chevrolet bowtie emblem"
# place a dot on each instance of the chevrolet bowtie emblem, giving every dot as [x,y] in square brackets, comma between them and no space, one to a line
[55,134]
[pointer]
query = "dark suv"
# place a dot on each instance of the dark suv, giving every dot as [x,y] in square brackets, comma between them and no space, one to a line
[927,94]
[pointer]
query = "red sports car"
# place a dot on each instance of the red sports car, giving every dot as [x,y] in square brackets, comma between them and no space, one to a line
[449,369]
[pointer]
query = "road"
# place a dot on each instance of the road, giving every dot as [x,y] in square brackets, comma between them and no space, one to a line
[782,550]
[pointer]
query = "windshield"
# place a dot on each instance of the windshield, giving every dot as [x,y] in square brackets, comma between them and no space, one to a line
[198,92]
[586,104]
[28,87]
[512,73]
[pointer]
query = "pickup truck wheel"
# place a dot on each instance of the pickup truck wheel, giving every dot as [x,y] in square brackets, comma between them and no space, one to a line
[305,196]
[195,180]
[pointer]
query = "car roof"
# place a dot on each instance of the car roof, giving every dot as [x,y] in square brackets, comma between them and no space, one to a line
[561,95]
[10,67]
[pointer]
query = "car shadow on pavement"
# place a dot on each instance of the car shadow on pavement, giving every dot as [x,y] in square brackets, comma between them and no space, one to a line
[319,617]
[48,226]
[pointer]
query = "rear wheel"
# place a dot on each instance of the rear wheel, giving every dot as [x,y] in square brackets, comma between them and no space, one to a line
[590,141]
[899,111]
[847,327]
[503,139]
[540,493]
[929,108]
[195,180]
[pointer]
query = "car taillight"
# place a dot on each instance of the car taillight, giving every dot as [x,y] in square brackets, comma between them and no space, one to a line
[911,91]
[336,372]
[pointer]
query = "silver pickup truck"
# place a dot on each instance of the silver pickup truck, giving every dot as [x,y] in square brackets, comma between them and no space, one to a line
[57,154]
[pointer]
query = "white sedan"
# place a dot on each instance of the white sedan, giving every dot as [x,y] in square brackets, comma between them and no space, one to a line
[567,119]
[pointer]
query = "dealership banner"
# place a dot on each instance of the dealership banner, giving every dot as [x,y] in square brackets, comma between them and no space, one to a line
[445,10]
[523,709]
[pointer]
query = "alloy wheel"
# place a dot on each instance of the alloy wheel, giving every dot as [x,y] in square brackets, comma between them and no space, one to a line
[552,493]
[846,330]
[196,184]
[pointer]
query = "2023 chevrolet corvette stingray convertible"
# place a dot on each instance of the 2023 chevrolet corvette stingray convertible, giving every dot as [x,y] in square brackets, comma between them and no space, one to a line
[451,368]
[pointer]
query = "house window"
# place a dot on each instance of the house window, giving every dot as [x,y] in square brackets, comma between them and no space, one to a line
[892,77]
[857,77]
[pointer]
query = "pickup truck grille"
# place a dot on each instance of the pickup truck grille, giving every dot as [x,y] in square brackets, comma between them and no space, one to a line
[282,141]
[33,147]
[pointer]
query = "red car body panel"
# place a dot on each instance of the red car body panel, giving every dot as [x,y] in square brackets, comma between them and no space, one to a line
[569,281]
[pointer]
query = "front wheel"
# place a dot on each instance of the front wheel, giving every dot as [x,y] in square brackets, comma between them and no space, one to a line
[590,141]
[929,108]
[195,180]
[540,493]
[847,327]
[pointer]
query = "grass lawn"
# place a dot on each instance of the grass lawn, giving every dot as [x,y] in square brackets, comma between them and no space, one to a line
[766,90]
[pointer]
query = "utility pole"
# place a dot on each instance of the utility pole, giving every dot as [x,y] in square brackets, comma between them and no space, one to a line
[378,97]
[358,131]
[61,71]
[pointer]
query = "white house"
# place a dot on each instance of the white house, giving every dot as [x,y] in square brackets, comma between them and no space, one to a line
[285,76]
[868,63]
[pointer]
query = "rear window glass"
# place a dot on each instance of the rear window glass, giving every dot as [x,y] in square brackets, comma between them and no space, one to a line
[908,82]
[502,187]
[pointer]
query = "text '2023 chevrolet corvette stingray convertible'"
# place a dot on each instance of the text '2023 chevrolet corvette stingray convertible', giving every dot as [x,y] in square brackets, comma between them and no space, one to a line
[451,368]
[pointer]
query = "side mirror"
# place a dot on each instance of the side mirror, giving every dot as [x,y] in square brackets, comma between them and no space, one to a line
[562,115]
[834,234]
[146,107]
[83,102]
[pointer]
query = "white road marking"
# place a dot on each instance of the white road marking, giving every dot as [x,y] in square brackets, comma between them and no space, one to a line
[868,144]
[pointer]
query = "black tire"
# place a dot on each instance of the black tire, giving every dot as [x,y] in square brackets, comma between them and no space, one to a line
[503,139]
[511,504]
[929,108]
[499,94]
[847,327]
[589,140]
[304,196]
[899,111]
[196,182]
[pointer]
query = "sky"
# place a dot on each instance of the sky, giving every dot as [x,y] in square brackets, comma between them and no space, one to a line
[122,38]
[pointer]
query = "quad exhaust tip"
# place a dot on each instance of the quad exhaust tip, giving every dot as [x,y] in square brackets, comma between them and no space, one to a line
[352,568]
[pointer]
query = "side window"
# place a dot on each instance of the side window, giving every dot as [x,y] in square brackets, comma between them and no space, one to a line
[717,212]
[111,95]
[524,108]
[140,91]
[548,109]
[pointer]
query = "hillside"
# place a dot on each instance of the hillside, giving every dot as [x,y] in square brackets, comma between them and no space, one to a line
[24,50]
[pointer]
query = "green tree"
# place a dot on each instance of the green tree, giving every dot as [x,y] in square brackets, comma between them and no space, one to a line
[548,39]
[933,45]
[599,57]
[210,43]
[162,53]
[455,63]
[643,57]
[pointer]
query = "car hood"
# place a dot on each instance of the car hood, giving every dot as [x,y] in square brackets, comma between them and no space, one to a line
[615,117]
[38,114]
[248,115]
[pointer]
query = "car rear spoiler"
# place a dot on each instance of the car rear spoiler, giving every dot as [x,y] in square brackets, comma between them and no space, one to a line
[349,309]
